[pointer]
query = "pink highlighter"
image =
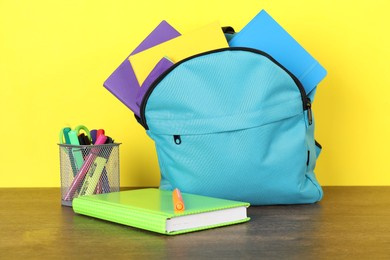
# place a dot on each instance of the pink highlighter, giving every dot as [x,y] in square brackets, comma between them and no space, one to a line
[101,139]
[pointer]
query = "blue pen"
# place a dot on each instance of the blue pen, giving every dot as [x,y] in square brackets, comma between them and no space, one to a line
[93,135]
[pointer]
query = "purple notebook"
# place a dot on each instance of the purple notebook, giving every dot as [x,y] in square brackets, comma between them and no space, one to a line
[159,69]
[123,83]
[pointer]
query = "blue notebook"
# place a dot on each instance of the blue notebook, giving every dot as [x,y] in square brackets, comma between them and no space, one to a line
[265,34]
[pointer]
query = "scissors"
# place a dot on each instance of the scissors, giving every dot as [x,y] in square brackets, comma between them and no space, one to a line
[69,136]
[72,137]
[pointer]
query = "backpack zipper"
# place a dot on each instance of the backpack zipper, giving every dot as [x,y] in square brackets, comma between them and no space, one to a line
[305,100]
[309,114]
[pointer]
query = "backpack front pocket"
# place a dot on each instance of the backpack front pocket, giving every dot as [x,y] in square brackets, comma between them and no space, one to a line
[260,165]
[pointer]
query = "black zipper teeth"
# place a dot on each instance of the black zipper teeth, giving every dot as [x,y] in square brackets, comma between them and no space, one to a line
[162,76]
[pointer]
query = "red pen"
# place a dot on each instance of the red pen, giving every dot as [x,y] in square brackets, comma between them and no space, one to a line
[99,132]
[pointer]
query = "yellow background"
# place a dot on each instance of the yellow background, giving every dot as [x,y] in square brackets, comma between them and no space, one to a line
[55,56]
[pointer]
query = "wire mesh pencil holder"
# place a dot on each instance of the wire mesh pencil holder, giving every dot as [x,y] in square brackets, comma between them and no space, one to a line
[87,170]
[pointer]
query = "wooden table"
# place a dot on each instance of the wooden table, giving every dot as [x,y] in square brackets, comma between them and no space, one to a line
[350,222]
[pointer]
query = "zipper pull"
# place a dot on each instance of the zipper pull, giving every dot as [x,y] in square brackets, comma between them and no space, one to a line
[177,139]
[309,114]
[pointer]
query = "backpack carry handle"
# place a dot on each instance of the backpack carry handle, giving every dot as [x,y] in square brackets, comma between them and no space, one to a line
[228,30]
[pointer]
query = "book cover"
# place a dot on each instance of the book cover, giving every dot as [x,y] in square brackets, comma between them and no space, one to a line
[122,83]
[163,65]
[265,34]
[207,38]
[152,209]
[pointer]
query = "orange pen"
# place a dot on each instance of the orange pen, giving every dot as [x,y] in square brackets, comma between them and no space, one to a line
[178,203]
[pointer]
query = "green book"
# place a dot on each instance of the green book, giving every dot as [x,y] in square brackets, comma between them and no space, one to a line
[152,209]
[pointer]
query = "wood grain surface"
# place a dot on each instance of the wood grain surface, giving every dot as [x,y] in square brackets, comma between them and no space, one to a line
[350,222]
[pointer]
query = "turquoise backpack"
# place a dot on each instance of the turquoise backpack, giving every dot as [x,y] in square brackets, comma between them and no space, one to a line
[233,123]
